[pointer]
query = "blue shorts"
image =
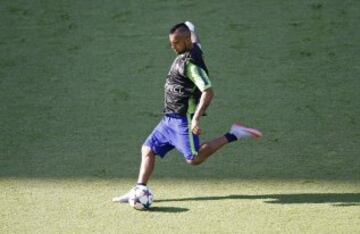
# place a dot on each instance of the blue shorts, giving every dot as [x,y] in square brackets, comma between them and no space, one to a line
[174,131]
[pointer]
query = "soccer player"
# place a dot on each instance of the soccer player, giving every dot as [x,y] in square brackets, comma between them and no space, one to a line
[188,93]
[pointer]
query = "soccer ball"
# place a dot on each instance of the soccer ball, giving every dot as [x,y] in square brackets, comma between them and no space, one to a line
[141,198]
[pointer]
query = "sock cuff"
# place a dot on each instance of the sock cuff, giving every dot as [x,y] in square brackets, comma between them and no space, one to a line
[230,137]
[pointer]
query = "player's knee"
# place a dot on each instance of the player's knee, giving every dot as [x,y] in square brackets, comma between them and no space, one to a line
[193,162]
[146,151]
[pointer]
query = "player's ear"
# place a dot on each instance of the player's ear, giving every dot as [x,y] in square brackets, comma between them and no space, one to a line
[188,41]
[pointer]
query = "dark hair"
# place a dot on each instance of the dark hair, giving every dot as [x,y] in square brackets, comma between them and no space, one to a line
[181,27]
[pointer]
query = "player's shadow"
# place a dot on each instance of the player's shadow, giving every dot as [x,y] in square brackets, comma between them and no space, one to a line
[168,209]
[336,199]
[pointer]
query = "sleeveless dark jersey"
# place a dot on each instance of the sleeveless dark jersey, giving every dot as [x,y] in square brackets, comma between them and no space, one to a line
[179,89]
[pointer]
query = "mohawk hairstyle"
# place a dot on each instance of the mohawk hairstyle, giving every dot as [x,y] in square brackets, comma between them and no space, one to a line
[181,27]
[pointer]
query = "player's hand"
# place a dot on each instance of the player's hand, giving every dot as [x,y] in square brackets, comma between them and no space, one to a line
[195,127]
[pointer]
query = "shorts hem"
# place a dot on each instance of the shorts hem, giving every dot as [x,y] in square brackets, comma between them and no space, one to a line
[154,151]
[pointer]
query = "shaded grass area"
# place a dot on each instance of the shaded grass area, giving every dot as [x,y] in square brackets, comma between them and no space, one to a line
[81,87]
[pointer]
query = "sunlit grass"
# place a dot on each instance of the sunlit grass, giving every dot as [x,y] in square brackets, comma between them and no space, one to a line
[180,206]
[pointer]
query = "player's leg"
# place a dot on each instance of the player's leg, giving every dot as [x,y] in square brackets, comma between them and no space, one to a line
[236,132]
[155,144]
[207,149]
[146,168]
[147,165]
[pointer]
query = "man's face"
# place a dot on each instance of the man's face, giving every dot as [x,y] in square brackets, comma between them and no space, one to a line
[178,44]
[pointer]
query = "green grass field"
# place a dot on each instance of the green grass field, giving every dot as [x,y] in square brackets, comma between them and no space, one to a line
[81,86]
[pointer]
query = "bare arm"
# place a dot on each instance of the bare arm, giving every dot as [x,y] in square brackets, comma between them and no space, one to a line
[205,100]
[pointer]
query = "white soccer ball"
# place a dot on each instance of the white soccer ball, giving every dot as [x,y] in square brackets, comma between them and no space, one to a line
[141,198]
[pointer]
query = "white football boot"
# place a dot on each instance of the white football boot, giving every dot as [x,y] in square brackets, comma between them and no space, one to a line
[195,38]
[190,25]
[123,198]
[241,132]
